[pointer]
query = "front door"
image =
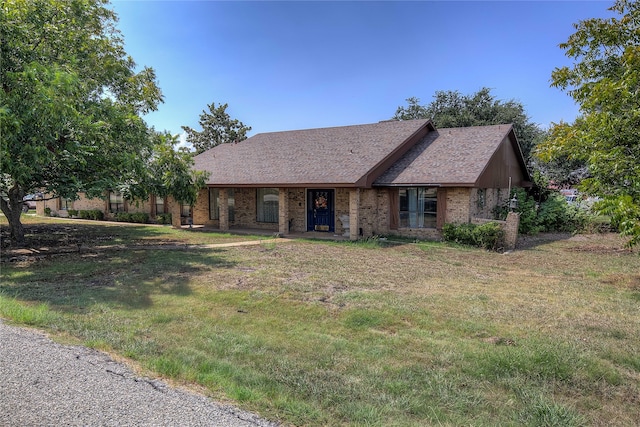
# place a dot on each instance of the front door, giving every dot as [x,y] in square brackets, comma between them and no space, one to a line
[320,214]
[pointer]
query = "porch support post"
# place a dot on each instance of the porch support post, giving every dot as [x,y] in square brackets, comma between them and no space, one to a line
[223,194]
[283,211]
[354,213]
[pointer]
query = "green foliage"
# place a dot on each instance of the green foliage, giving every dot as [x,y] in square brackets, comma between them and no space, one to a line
[489,235]
[413,110]
[137,217]
[555,214]
[217,128]
[452,109]
[70,102]
[625,216]
[94,214]
[170,171]
[163,218]
[72,213]
[604,80]
[47,211]
[549,212]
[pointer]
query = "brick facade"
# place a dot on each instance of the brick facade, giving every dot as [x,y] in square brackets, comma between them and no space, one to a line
[366,211]
[83,203]
[483,201]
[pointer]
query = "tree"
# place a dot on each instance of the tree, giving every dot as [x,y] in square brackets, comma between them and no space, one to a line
[452,109]
[413,110]
[605,82]
[171,171]
[70,103]
[217,128]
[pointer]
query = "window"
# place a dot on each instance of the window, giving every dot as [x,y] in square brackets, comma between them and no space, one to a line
[116,202]
[185,210]
[418,207]
[482,198]
[65,204]
[267,205]
[214,203]
[160,205]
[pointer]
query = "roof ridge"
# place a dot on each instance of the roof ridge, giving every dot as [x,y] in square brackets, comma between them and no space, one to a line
[381,122]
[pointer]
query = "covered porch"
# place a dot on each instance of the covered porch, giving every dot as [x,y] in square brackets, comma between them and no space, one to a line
[295,211]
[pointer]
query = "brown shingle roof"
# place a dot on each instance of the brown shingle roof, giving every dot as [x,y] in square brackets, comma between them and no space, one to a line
[451,156]
[337,156]
[384,154]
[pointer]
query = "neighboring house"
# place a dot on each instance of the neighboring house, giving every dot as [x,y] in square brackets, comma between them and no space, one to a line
[389,178]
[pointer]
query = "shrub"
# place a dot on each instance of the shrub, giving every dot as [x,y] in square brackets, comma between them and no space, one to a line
[163,218]
[488,236]
[137,217]
[140,217]
[555,214]
[122,217]
[552,214]
[97,214]
[47,211]
[94,214]
[72,213]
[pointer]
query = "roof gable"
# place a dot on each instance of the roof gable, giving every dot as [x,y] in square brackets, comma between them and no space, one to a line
[457,157]
[337,156]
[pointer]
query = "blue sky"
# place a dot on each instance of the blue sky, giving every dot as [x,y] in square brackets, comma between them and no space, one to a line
[299,65]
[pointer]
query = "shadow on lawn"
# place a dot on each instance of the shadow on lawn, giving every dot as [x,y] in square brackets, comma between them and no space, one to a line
[125,279]
[529,241]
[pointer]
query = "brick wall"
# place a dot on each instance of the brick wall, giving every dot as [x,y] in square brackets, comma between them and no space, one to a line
[368,221]
[458,205]
[138,206]
[341,209]
[82,204]
[245,214]
[511,230]
[484,201]
[200,211]
[297,209]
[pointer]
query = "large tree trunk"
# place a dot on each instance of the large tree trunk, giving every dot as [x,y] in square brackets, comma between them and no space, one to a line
[12,209]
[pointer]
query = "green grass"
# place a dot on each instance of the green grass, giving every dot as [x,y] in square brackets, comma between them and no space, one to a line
[326,333]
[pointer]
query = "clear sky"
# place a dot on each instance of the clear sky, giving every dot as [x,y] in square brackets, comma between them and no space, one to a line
[298,65]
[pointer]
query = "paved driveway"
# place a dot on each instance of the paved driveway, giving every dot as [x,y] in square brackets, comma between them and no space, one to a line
[43,383]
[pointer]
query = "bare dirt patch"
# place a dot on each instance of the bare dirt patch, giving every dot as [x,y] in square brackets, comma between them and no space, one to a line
[45,240]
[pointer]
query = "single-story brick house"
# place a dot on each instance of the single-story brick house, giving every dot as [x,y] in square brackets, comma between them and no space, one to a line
[388,178]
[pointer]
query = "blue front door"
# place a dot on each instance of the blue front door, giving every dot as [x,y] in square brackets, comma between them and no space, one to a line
[320,214]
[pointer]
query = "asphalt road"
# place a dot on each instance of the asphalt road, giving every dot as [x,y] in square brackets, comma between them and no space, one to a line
[43,383]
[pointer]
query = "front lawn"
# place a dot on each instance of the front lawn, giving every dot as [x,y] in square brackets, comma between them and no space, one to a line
[325,333]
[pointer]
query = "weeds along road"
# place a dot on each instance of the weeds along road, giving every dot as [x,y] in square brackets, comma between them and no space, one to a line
[45,383]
